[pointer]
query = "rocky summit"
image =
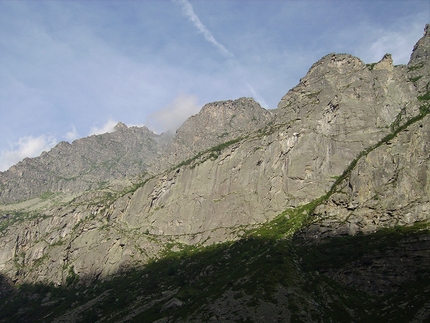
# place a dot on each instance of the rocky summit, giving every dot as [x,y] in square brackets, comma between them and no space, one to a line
[317,211]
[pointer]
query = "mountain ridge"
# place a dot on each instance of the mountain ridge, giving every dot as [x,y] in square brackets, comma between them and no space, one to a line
[81,160]
[344,158]
[82,164]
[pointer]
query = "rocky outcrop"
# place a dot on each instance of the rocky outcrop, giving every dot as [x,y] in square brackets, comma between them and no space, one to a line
[216,123]
[389,184]
[388,187]
[417,67]
[421,50]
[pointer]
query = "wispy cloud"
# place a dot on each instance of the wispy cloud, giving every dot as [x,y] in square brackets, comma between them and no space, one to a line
[72,134]
[188,11]
[27,146]
[257,96]
[399,42]
[396,38]
[109,126]
[174,114]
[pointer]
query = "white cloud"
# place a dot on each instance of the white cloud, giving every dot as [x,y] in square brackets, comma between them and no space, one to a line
[371,40]
[399,43]
[175,113]
[107,127]
[71,135]
[188,11]
[27,146]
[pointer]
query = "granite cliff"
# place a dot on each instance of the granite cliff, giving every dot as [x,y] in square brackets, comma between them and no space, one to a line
[315,211]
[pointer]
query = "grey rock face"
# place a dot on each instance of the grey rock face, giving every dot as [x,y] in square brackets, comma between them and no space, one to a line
[340,108]
[389,185]
[421,51]
[216,123]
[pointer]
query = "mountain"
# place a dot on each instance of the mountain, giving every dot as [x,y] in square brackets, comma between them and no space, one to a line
[86,164]
[127,154]
[216,123]
[316,211]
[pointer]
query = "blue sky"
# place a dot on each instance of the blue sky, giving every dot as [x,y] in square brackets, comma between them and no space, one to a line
[70,69]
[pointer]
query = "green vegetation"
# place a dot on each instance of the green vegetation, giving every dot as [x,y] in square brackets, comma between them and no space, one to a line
[415,79]
[255,266]
[396,128]
[268,129]
[103,184]
[415,67]
[424,97]
[314,94]
[211,153]
[288,222]
[11,217]
[224,134]
[371,66]
[335,253]
[251,269]
[72,277]
[396,123]
[46,195]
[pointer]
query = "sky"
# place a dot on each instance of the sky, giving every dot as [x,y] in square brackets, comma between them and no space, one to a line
[70,69]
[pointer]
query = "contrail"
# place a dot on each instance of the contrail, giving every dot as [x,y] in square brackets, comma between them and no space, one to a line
[257,96]
[188,11]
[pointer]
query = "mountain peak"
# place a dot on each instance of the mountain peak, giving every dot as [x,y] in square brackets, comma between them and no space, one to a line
[386,63]
[120,126]
[421,51]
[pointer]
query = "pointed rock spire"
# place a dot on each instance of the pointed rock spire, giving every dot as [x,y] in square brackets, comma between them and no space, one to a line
[386,63]
[421,51]
[120,126]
